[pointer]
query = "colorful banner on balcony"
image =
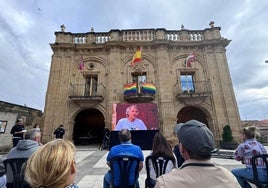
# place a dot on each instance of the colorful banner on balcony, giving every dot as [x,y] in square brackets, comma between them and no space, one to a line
[130,88]
[136,57]
[148,88]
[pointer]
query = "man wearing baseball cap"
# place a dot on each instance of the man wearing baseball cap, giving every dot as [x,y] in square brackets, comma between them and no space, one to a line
[196,143]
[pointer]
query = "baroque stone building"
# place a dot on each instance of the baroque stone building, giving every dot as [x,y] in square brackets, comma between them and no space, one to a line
[82,99]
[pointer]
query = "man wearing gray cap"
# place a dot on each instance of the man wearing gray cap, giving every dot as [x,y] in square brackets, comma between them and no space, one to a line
[196,142]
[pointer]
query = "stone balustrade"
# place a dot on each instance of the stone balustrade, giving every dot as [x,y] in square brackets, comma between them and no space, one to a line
[136,35]
[82,39]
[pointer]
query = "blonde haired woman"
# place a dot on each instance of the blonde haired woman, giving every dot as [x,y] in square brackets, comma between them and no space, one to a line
[52,166]
[244,152]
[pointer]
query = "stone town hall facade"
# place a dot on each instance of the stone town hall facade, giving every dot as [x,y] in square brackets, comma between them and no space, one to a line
[82,100]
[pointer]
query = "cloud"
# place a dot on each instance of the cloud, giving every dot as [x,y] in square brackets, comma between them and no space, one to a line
[22,66]
[27,29]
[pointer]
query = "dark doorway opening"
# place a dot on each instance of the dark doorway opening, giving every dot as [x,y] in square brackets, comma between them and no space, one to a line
[190,112]
[88,127]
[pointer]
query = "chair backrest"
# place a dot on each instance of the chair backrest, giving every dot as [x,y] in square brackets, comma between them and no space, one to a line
[17,165]
[159,164]
[124,171]
[259,160]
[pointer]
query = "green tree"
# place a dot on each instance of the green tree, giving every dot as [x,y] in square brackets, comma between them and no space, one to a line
[227,135]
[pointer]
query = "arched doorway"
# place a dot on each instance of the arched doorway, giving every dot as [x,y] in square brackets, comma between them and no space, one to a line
[190,112]
[88,127]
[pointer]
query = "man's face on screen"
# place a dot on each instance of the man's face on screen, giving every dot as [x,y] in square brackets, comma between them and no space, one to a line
[133,113]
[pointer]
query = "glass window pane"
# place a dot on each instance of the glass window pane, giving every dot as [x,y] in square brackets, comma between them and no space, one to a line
[91,85]
[187,83]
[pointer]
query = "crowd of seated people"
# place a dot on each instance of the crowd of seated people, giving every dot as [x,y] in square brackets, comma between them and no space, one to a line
[53,164]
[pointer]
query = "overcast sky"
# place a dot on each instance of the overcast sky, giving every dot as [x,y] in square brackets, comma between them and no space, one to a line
[27,27]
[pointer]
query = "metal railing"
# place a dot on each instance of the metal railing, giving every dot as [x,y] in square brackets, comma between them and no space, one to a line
[195,87]
[85,90]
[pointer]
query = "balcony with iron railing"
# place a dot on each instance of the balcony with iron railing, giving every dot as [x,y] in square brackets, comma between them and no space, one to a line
[192,94]
[85,95]
[139,92]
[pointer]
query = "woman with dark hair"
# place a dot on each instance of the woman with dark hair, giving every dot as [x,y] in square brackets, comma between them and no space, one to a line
[244,152]
[161,148]
[37,127]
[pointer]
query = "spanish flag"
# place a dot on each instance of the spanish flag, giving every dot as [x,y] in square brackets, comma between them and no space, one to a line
[136,57]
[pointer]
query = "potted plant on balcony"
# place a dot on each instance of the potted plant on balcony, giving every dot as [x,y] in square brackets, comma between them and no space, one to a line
[227,138]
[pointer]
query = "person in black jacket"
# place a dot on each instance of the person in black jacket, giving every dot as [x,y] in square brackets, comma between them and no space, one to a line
[17,131]
[176,149]
[59,132]
[105,139]
[177,153]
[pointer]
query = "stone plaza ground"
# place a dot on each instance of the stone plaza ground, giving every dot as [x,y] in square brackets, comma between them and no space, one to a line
[91,166]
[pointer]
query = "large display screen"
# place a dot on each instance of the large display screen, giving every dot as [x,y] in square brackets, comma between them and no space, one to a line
[135,116]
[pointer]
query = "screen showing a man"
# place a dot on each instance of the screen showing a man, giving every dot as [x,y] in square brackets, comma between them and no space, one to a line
[140,118]
[131,121]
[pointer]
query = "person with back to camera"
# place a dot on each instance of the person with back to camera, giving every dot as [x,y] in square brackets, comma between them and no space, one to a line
[24,149]
[105,138]
[125,148]
[176,149]
[59,132]
[17,131]
[131,122]
[161,149]
[37,127]
[3,178]
[244,152]
[52,166]
[196,142]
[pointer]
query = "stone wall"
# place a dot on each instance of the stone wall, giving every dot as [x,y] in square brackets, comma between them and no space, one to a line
[163,54]
[11,112]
